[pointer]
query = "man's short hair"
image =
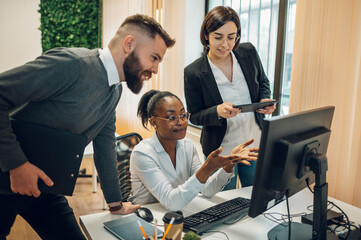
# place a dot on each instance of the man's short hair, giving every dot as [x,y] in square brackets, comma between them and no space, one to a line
[149,26]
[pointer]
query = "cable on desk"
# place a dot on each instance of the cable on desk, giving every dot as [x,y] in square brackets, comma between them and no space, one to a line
[217,232]
[288,214]
[310,207]
[234,221]
[282,217]
[347,219]
[344,224]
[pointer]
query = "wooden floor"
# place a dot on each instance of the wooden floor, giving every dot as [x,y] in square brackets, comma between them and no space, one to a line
[83,201]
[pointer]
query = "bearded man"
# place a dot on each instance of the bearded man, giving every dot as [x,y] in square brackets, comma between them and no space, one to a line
[75,89]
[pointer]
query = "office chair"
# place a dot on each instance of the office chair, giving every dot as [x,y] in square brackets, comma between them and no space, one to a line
[124,145]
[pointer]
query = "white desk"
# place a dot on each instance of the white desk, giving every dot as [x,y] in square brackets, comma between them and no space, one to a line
[249,228]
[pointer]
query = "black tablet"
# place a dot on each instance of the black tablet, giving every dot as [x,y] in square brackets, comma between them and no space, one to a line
[254,106]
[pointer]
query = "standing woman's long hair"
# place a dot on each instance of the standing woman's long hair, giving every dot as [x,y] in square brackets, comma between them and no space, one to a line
[150,101]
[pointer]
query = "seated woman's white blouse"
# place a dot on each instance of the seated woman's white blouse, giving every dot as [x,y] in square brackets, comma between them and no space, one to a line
[154,177]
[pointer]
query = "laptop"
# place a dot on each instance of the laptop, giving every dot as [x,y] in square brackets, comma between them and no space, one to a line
[57,152]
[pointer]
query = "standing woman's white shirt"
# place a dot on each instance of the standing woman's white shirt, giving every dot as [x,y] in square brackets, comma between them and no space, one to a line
[154,178]
[243,126]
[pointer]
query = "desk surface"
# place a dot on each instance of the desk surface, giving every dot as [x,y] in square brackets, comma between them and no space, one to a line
[248,228]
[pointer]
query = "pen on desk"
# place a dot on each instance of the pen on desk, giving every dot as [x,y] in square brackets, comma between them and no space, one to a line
[155,229]
[142,229]
[168,228]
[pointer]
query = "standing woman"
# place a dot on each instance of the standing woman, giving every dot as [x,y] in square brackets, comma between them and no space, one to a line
[229,73]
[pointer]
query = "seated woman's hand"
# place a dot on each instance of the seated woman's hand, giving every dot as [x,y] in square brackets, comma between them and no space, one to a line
[215,160]
[244,154]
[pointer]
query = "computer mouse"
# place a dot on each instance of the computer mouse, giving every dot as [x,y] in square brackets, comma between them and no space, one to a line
[145,214]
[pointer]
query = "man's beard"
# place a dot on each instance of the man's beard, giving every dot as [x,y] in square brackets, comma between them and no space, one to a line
[133,73]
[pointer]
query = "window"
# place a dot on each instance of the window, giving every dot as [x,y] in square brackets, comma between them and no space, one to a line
[259,25]
[287,63]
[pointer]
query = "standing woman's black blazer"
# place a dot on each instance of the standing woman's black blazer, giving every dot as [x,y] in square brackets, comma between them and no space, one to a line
[202,94]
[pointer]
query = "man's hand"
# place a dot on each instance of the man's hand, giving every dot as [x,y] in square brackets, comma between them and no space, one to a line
[24,179]
[127,207]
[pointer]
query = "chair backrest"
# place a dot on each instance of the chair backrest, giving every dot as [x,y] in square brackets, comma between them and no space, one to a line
[123,146]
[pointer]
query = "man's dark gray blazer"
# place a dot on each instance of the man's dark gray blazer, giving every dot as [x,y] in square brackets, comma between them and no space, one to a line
[65,88]
[202,94]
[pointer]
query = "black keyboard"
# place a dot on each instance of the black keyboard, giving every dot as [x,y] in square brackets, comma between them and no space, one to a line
[207,219]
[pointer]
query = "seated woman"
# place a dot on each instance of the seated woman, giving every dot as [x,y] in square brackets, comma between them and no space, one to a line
[166,167]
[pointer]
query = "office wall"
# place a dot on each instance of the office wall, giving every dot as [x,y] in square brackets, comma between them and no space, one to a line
[194,15]
[20,39]
[182,19]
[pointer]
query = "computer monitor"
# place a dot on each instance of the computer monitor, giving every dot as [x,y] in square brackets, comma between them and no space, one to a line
[292,149]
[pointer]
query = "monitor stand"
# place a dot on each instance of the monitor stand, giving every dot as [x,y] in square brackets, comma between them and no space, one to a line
[302,231]
[299,231]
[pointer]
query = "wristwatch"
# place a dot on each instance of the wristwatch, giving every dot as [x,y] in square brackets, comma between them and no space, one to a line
[116,208]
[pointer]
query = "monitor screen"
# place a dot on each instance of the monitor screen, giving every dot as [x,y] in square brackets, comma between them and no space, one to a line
[286,144]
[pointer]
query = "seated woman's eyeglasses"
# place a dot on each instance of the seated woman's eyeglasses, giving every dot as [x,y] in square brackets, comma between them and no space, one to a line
[219,39]
[173,120]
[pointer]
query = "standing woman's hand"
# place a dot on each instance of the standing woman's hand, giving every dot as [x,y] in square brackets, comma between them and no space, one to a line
[269,109]
[226,110]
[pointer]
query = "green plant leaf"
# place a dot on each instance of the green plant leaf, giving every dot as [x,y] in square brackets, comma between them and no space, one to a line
[70,23]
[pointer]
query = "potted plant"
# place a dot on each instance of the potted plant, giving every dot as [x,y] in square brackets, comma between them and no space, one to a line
[191,236]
